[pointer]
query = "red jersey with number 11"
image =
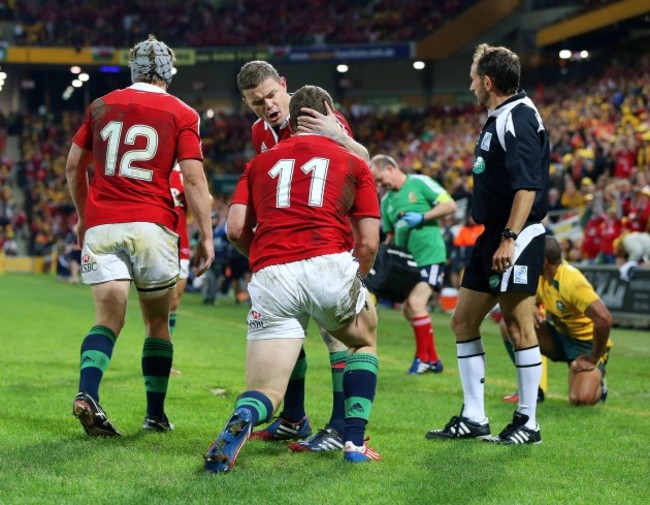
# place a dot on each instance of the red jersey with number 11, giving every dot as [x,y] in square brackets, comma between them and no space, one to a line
[136,135]
[302,192]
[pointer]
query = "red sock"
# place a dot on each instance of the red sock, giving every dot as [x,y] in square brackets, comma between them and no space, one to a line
[425,347]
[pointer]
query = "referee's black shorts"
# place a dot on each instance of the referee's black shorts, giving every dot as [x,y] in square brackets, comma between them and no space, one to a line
[522,276]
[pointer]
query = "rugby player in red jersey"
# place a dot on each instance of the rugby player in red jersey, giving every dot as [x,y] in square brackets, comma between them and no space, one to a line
[133,137]
[265,92]
[308,198]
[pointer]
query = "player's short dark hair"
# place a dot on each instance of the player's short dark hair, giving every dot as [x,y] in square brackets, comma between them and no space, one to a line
[500,64]
[552,250]
[313,97]
[255,72]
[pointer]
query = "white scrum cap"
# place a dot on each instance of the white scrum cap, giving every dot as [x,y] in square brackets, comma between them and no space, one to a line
[151,58]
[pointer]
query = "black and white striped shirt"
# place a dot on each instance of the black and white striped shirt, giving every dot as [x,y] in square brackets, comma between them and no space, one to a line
[512,153]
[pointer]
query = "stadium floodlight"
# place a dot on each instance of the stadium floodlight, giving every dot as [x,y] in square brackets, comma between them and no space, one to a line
[69,89]
[83,77]
[565,54]
[342,68]
[75,69]
[77,83]
[418,65]
[584,54]
[3,75]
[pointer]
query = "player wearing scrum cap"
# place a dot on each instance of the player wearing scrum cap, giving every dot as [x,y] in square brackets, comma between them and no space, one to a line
[133,137]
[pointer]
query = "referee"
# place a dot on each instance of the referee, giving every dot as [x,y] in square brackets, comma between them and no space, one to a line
[511,166]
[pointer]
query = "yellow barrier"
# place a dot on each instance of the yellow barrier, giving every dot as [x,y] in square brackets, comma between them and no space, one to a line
[22,264]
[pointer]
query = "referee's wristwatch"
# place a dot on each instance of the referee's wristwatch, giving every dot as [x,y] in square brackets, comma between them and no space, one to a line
[508,233]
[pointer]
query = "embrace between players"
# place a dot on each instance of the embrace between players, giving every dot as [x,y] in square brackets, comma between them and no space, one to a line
[306,209]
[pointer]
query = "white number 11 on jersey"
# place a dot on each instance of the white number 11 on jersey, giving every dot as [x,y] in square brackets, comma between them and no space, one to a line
[283,169]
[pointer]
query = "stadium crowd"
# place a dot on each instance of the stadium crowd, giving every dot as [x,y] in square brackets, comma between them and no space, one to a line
[206,23]
[200,23]
[600,141]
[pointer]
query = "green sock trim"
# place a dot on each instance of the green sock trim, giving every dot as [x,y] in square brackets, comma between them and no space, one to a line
[362,361]
[337,381]
[338,357]
[358,406]
[103,330]
[262,414]
[155,383]
[94,359]
[157,347]
[300,370]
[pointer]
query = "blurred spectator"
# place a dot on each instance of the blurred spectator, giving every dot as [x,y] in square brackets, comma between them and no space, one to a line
[634,246]
[463,245]
[571,197]
[555,206]
[213,279]
[8,241]
[238,273]
[638,213]
[609,229]
[196,23]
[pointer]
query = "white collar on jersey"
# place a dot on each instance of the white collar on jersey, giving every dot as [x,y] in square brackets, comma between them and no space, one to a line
[145,86]
[284,125]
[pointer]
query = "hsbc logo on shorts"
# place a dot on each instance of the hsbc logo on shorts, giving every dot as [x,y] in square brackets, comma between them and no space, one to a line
[87,266]
[256,320]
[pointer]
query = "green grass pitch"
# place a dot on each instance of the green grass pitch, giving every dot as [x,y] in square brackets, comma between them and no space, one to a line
[588,455]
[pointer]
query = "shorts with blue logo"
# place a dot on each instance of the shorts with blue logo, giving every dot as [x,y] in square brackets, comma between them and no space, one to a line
[522,276]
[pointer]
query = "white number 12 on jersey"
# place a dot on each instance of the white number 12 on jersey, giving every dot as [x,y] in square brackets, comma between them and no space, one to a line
[283,169]
[113,133]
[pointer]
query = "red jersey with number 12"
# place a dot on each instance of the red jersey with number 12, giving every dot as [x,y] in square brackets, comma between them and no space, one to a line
[302,192]
[136,135]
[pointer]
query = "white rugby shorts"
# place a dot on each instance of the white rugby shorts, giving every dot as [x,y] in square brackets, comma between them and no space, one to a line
[283,297]
[185,269]
[146,253]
